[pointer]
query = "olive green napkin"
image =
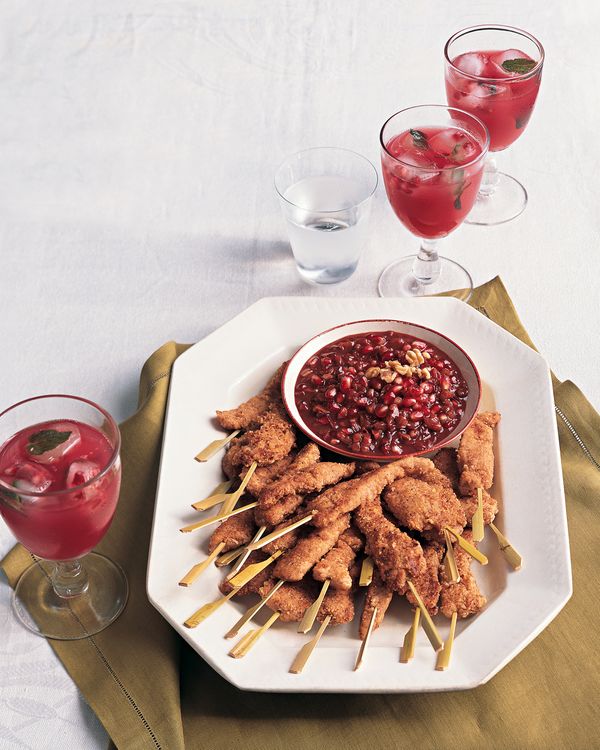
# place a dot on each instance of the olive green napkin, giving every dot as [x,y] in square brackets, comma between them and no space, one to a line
[150,690]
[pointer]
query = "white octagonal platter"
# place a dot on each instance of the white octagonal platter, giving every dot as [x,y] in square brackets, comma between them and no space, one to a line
[232,364]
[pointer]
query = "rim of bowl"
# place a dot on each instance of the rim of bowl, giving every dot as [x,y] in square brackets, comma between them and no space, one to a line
[377,457]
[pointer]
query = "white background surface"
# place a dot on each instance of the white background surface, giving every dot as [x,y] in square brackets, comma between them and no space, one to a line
[138,143]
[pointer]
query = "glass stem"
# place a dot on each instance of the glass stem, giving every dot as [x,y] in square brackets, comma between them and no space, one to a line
[489,181]
[427,263]
[69,578]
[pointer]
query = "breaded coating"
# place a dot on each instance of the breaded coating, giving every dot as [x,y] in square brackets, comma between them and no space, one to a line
[231,462]
[445,461]
[253,586]
[234,531]
[296,562]
[270,442]
[287,541]
[476,453]
[378,595]
[271,509]
[334,566]
[266,475]
[490,507]
[428,583]
[339,604]
[463,597]
[424,507]
[396,555]
[292,599]
[249,413]
[362,467]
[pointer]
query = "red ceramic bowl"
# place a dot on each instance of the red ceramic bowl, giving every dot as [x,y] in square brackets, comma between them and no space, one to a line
[416,332]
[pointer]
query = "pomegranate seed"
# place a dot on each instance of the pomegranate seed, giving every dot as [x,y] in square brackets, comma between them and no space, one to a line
[416,416]
[381,410]
[326,361]
[343,412]
[330,392]
[409,402]
[346,383]
[340,398]
[366,348]
[388,398]
[419,345]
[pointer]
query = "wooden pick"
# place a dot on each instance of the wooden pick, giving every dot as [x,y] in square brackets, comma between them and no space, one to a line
[249,640]
[217,518]
[228,557]
[246,575]
[277,534]
[510,553]
[218,495]
[450,561]
[207,609]
[232,499]
[426,622]
[410,639]
[245,554]
[468,547]
[365,643]
[443,658]
[251,611]
[311,612]
[214,447]
[192,574]
[304,654]
[477,519]
[366,572]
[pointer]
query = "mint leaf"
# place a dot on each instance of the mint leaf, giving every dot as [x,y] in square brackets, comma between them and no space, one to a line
[459,190]
[419,139]
[519,65]
[520,122]
[490,87]
[45,440]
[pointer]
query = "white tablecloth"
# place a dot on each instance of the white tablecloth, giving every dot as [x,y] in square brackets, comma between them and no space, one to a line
[138,143]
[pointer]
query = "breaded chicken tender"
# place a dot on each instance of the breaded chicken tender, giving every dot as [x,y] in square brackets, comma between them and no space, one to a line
[248,414]
[292,599]
[270,442]
[339,605]
[296,562]
[445,461]
[287,541]
[428,583]
[476,453]
[378,595]
[264,476]
[463,597]
[489,504]
[334,566]
[234,531]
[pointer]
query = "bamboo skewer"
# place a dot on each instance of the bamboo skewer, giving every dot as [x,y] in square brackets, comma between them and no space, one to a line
[249,640]
[214,447]
[365,643]
[232,499]
[443,657]
[194,572]
[246,575]
[230,556]
[477,520]
[450,561]
[245,554]
[468,547]
[216,496]
[207,609]
[304,654]
[311,612]
[426,621]
[251,611]
[218,517]
[510,553]
[277,534]
[408,646]
[366,572]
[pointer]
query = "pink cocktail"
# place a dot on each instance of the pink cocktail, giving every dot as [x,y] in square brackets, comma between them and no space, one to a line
[432,160]
[494,72]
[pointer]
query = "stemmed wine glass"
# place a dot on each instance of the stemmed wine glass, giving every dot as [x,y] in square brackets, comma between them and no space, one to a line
[60,474]
[432,159]
[494,72]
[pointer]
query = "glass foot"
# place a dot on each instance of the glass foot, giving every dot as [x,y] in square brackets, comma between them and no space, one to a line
[398,280]
[45,613]
[506,203]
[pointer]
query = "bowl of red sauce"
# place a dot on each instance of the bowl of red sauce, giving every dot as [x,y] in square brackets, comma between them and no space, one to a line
[381,389]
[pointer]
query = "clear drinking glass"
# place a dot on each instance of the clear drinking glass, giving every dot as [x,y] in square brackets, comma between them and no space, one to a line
[432,159]
[494,72]
[325,195]
[68,592]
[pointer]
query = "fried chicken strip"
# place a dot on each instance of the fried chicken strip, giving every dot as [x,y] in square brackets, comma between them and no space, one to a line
[267,475]
[396,555]
[289,540]
[463,597]
[425,507]
[249,413]
[292,599]
[428,583]
[296,562]
[335,565]
[476,453]
[234,531]
[283,497]
[378,595]
[447,463]
[268,443]
[339,605]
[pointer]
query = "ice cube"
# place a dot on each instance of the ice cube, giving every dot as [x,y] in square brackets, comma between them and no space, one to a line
[29,477]
[497,58]
[81,472]
[53,432]
[472,63]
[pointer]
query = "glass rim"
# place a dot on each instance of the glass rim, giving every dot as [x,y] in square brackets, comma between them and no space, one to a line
[79,487]
[326,210]
[497,27]
[447,107]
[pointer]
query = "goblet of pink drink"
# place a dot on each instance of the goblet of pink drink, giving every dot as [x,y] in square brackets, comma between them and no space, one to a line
[60,475]
[494,72]
[432,160]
